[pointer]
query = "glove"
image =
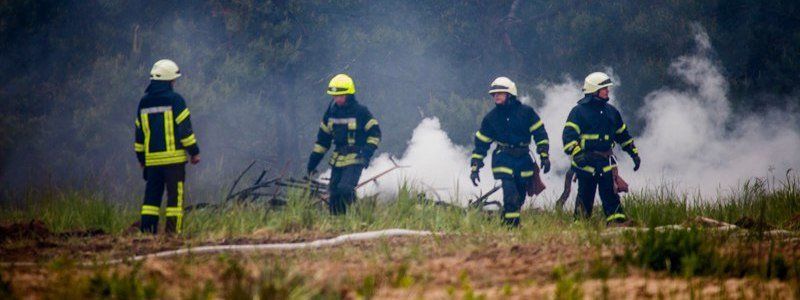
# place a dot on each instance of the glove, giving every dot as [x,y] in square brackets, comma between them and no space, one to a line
[545,164]
[366,157]
[475,178]
[637,161]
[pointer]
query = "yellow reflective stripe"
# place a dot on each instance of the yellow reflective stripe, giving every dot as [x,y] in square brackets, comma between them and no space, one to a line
[589,169]
[536,126]
[590,136]
[179,221]
[169,130]
[503,170]
[338,160]
[544,154]
[609,168]
[166,161]
[373,140]
[166,154]
[150,210]
[628,142]
[615,217]
[165,157]
[370,123]
[542,142]
[137,123]
[474,168]
[324,128]
[174,212]
[512,215]
[351,124]
[189,140]
[575,150]
[146,130]
[182,116]
[635,150]
[482,137]
[477,156]
[138,147]
[574,126]
[621,129]
[526,173]
[569,145]
[320,149]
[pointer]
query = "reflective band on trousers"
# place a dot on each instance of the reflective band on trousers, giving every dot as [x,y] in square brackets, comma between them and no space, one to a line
[615,217]
[511,215]
[150,210]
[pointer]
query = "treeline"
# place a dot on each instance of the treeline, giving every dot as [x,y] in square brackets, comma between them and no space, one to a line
[71,72]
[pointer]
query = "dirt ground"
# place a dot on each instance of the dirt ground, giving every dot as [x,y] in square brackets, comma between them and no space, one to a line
[434,267]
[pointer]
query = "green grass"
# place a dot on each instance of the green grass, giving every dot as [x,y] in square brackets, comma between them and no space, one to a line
[774,202]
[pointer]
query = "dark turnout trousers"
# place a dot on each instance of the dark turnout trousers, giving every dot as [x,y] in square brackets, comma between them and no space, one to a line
[171,178]
[588,184]
[342,188]
[513,199]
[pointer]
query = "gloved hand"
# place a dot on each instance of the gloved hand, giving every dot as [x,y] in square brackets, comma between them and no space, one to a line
[637,161]
[545,164]
[366,157]
[475,178]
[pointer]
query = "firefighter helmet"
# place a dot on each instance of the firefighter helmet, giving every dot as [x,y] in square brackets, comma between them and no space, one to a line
[503,84]
[596,81]
[341,85]
[165,70]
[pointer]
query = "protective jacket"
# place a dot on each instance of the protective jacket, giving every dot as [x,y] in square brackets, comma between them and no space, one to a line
[510,126]
[164,132]
[353,131]
[592,128]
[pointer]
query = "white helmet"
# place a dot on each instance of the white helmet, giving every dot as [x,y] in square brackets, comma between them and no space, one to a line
[165,70]
[503,84]
[596,81]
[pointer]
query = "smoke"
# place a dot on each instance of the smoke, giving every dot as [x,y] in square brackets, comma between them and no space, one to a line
[691,142]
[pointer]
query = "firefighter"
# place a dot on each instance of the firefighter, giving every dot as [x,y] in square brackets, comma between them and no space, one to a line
[354,132]
[164,143]
[592,129]
[510,125]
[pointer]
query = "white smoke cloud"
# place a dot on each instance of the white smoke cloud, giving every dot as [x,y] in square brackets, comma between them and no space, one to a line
[691,141]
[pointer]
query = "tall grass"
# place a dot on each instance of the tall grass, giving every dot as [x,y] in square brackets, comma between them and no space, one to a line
[775,202]
[64,210]
[772,201]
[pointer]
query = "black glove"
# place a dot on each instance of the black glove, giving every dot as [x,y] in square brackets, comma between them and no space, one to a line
[475,178]
[366,157]
[636,162]
[545,164]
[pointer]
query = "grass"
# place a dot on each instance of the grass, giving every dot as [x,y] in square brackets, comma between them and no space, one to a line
[775,202]
[682,253]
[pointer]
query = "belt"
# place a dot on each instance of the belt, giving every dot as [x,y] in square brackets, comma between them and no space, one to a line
[347,149]
[514,150]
